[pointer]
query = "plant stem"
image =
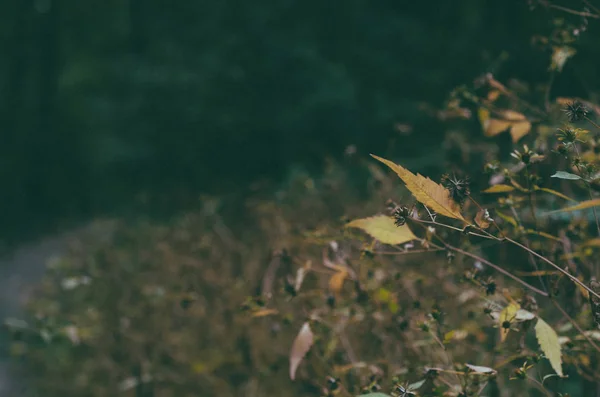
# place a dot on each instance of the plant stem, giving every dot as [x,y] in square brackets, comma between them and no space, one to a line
[587,184]
[554,265]
[535,222]
[498,268]
[592,122]
[581,331]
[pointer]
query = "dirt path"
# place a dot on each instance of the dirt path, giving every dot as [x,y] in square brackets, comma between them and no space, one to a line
[19,272]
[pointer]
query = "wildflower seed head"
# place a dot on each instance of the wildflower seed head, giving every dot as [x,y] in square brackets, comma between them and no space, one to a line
[400,214]
[563,149]
[458,188]
[576,111]
[527,156]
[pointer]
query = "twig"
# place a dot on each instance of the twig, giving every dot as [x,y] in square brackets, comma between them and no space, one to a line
[498,268]
[574,12]
[554,265]
[581,331]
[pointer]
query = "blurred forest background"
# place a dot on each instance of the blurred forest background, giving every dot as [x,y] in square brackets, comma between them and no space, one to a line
[138,106]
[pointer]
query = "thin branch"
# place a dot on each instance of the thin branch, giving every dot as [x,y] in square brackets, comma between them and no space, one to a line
[498,268]
[574,12]
[593,7]
[554,265]
[581,331]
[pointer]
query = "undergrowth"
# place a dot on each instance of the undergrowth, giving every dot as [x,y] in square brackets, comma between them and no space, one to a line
[477,282]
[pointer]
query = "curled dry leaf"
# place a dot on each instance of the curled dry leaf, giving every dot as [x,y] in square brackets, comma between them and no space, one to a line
[384,229]
[426,191]
[482,219]
[300,347]
[516,122]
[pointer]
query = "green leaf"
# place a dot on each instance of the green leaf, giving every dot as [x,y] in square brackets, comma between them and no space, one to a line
[566,175]
[384,229]
[549,344]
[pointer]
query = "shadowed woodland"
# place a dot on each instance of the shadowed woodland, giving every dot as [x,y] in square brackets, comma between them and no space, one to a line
[300,198]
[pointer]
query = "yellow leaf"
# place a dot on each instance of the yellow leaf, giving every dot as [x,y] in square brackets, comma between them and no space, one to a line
[336,282]
[508,314]
[554,192]
[595,242]
[426,191]
[509,119]
[264,312]
[548,341]
[384,229]
[507,218]
[519,129]
[383,295]
[495,126]
[581,206]
[200,367]
[543,234]
[499,189]
[560,56]
[493,95]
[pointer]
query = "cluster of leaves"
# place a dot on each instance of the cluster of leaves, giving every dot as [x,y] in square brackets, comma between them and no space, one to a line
[524,263]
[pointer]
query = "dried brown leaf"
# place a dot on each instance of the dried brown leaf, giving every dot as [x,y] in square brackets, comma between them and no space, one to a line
[336,282]
[482,219]
[516,122]
[301,346]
